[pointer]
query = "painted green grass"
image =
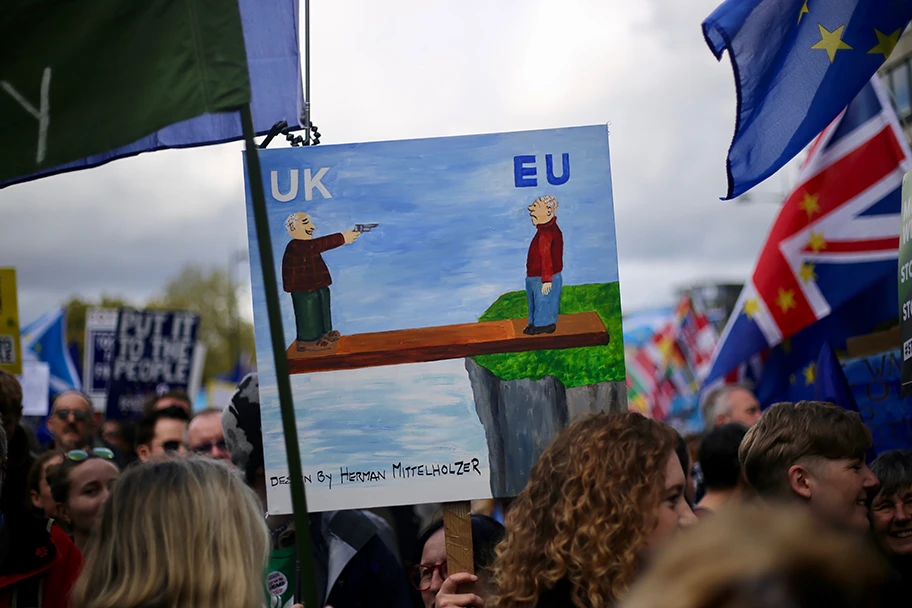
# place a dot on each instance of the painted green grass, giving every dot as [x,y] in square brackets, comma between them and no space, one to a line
[572,366]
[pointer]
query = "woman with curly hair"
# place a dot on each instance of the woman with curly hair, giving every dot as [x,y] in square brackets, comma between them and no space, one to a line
[605,493]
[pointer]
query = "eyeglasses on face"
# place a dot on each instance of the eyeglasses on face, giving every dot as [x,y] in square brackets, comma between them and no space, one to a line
[78,415]
[421,575]
[80,455]
[206,448]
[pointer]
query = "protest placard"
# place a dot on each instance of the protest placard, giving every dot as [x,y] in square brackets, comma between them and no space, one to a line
[153,352]
[875,384]
[10,344]
[905,284]
[449,305]
[100,332]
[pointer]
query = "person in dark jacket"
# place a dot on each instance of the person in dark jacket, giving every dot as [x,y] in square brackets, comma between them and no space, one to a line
[353,551]
[19,455]
[38,562]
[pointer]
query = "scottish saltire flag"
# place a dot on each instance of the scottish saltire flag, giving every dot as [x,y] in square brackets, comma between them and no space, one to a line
[797,65]
[836,237]
[45,340]
[105,73]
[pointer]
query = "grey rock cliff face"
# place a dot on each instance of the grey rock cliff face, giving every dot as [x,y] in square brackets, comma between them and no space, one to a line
[521,417]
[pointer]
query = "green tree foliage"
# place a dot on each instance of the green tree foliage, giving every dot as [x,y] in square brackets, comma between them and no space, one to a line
[212,294]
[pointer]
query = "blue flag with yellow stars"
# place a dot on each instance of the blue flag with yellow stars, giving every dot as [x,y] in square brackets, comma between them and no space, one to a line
[797,65]
[791,369]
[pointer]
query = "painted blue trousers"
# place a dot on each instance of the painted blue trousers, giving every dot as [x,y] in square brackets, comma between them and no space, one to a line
[543,309]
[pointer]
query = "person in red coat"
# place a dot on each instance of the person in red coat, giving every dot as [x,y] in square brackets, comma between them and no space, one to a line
[306,277]
[543,267]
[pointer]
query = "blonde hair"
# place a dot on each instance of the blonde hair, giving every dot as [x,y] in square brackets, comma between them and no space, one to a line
[761,557]
[585,514]
[793,433]
[180,533]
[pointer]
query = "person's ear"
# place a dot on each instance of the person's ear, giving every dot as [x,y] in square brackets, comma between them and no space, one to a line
[800,481]
[144,452]
[63,513]
[36,499]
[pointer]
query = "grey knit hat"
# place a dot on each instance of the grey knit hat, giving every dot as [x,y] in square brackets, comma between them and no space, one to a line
[243,428]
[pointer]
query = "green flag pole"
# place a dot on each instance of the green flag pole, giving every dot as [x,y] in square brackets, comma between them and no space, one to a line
[273,312]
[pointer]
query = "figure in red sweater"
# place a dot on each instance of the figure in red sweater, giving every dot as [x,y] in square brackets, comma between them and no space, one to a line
[543,267]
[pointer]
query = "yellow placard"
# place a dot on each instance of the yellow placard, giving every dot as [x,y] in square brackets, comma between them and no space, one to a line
[10,346]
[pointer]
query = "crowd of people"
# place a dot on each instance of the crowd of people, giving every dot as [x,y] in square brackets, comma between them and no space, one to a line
[764,509]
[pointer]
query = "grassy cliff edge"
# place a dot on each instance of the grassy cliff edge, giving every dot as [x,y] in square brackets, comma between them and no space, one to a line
[572,366]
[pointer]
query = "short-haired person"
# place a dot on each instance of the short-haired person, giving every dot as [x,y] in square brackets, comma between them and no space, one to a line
[161,433]
[722,478]
[891,516]
[812,453]
[169,399]
[730,403]
[206,437]
[72,421]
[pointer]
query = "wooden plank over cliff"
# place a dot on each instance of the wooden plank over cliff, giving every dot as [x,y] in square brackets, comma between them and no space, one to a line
[447,342]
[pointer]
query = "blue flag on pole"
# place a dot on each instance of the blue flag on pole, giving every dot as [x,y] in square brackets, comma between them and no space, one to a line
[797,64]
[45,340]
[832,386]
[274,62]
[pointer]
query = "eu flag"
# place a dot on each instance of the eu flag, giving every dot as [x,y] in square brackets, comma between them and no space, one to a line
[797,65]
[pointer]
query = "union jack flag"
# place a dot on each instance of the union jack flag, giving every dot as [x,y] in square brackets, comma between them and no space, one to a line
[836,236]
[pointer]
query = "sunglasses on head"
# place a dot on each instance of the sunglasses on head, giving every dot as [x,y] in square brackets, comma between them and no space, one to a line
[78,415]
[80,455]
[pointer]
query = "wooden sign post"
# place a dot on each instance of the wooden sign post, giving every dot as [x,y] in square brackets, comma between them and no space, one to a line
[457,525]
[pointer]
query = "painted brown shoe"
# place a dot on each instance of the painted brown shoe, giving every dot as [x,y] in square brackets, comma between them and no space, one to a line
[332,336]
[313,345]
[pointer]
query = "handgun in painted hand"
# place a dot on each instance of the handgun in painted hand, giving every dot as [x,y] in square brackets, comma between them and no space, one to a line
[365,227]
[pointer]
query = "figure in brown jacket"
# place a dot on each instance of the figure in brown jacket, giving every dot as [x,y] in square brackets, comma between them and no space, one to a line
[306,277]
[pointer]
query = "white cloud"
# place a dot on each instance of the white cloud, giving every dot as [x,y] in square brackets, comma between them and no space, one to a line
[406,68]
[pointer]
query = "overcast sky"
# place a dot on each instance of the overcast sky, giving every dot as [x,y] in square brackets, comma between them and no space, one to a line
[401,69]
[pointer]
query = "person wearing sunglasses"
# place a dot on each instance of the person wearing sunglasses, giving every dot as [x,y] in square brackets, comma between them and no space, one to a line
[430,576]
[71,422]
[80,485]
[160,433]
[205,436]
